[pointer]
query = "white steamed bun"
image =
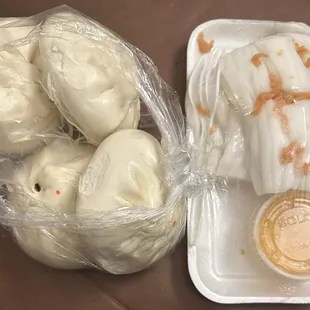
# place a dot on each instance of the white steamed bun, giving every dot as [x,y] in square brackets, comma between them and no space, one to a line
[127,172]
[13,29]
[91,82]
[26,113]
[47,181]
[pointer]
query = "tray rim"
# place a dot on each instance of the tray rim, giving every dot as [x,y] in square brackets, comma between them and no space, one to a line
[224,21]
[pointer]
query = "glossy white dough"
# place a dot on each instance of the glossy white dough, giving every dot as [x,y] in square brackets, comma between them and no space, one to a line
[298,117]
[91,82]
[288,66]
[12,29]
[56,170]
[265,137]
[241,80]
[26,113]
[127,171]
[265,141]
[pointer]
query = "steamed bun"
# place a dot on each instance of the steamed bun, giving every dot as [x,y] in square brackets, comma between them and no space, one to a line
[47,182]
[27,115]
[12,29]
[91,82]
[124,181]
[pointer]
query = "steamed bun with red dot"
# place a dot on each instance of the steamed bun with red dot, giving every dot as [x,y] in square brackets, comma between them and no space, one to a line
[45,184]
[124,183]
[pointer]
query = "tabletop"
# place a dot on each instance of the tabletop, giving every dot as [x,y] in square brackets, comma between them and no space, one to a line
[161,28]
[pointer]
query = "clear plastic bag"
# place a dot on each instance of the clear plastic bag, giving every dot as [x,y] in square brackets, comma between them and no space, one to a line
[101,193]
[248,130]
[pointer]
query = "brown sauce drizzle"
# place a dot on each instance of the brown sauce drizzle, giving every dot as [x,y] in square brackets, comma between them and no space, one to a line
[302,51]
[261,100]
[205,112]
[283,119]
[275,85]
[305,169]
[300,96]
[202,111]
[281,99]
[203,45]
[307,63]
[212,130]
[256,59]
[291,152]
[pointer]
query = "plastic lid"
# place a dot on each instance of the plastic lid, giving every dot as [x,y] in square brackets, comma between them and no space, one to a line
[282,234]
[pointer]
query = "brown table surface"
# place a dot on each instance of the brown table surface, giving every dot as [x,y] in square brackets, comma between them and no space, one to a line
[160,28]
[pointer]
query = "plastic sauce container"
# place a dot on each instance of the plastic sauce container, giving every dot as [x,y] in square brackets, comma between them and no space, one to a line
[282,234]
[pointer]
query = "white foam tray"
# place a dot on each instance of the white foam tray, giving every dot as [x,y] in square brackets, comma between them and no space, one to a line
[222,260]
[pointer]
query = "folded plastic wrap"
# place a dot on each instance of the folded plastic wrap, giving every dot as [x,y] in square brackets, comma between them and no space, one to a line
[111,197]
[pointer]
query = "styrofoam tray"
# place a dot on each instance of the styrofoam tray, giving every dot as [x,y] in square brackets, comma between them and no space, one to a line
[222,260]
